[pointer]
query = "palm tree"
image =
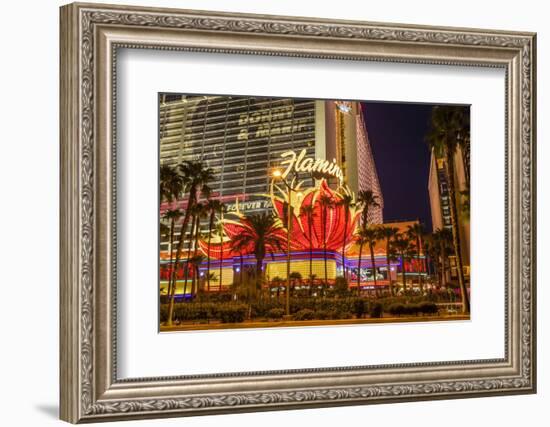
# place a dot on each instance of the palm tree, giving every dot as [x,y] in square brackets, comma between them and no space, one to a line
[347,202]
[388,233]
[195,178]
[164,230]
[416,233]
[295,276]
[371,236]
[402,246]
[262,233]
[196,212]
[195,261]
[212,207]
[202,212]
[361,240]
[326,203]
[443,242]
[277,281]
[449,130]
[240,244]
[309,212]
[430,250]
[172,216]
[366,199]
[171,183]
[171,186]
[222,211]
[164,233]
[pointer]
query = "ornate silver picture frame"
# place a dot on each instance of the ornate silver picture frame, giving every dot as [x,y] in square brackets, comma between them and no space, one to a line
[91,36]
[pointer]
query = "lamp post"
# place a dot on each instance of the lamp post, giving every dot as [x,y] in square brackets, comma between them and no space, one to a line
[277,174]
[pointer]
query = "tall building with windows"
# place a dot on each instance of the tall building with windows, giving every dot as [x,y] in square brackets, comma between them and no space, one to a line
[242,139]
[346,140]
[438,190]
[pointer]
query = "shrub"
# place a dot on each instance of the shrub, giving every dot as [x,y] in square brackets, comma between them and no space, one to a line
[298,304]
[342,314]
[429,308]
[275,313]
[163,313]
[295,275]
[232,313]
[387,302]
[376,310]
[305,314]
[411,309]
[324,314]
[341,287]
[262,308]
[224,296]
[204,311]
[359,307]
[396,309]
[184,311]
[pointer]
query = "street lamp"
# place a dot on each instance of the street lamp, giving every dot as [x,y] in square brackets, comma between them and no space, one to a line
[277,174]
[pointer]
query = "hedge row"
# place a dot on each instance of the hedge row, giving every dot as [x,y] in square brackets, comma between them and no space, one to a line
[225,312]
[356,305]
[413,309]
[307,309]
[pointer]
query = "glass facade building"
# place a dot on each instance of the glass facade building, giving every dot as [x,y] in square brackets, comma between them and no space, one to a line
[241,138]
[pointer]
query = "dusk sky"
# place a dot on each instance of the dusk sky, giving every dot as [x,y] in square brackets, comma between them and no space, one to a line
[397,135]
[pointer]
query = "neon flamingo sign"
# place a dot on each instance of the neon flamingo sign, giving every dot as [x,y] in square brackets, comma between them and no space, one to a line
[317,167]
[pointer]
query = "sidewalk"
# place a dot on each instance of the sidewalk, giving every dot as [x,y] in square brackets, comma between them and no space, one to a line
[291,323]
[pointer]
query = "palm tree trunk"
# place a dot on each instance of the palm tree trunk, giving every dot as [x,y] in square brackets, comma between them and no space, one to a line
[221,268]
[434,262]
[403,272]
[210,224]
[186,270]
[259,272]
[419,276]
[170,265]
[325,243]
[242,270]
[221,252]
[197,235]
[456,234]
[183,229]
[310,254]
[196,272]
[388,267]
[359,268]
[373,262]
[344,244]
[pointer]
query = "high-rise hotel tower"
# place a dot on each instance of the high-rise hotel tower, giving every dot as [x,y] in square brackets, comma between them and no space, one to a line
[242,139]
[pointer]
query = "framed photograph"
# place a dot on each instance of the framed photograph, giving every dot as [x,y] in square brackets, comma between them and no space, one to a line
[267,212]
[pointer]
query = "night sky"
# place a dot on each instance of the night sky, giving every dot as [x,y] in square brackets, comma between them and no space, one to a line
[397,135]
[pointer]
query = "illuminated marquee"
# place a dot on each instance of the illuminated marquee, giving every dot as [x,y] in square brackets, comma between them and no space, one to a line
[243,206]
[319,167]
